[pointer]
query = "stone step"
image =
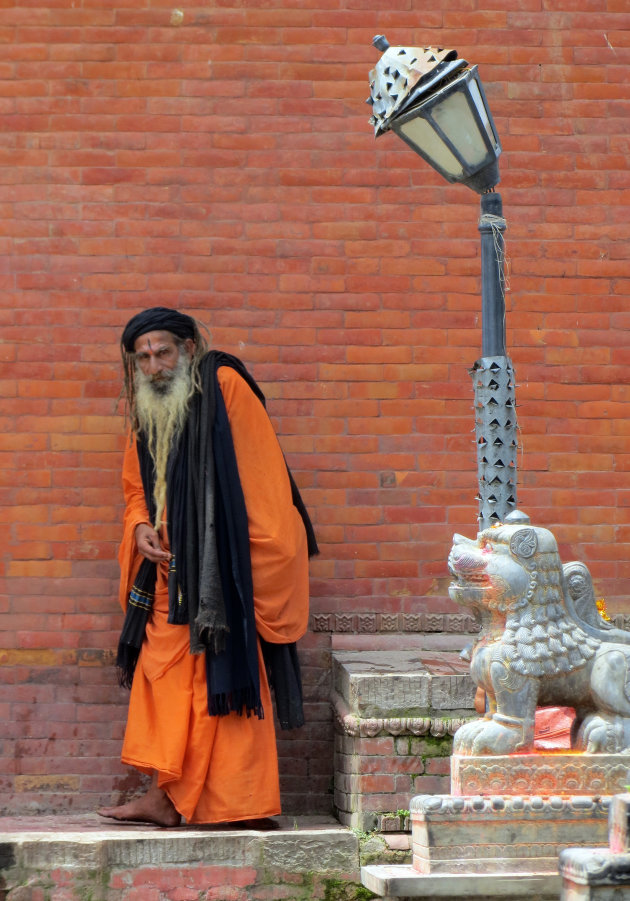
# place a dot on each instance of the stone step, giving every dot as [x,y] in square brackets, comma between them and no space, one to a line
[404,883]
[80,857]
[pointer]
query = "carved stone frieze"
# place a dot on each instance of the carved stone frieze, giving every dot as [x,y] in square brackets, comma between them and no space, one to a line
[367,622]
[540,774]
[509,806]
[455,623]
[358,727]
[321,622]
[434,622]
[521,850]
[364,623]
[344,623]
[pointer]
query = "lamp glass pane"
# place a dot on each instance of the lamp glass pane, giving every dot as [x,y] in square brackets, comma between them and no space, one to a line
[475,93]
[419,132]
[455,118]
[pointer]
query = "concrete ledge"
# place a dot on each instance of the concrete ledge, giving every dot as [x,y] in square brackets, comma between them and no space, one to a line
[404,882]
[301,850]
[81,857]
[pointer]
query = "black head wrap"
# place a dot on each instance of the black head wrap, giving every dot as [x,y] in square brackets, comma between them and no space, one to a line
[157,319]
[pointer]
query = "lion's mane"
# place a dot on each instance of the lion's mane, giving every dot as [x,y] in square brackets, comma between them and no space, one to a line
[539,637]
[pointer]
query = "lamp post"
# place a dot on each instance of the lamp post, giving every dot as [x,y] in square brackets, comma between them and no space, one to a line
[436,103]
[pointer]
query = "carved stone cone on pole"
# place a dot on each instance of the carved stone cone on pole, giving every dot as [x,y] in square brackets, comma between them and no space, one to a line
[495,433]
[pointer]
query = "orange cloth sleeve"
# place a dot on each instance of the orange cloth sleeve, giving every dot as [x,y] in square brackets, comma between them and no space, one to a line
[135,513]
[277,536]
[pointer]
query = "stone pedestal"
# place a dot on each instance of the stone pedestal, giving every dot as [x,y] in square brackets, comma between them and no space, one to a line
[506,816]
[396,712]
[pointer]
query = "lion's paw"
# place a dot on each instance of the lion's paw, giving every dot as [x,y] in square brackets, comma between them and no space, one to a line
[496,735]
[464,738]
[601,734]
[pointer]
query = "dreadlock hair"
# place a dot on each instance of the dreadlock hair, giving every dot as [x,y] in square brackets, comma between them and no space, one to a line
[129,368]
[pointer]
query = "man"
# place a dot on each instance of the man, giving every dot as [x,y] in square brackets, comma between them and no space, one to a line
[214,574]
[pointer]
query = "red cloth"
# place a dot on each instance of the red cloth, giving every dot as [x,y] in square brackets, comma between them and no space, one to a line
[552,728]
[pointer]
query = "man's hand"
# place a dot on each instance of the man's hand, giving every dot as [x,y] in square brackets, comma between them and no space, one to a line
[149,545]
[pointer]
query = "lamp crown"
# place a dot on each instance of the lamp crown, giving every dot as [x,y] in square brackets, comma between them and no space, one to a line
[403,75]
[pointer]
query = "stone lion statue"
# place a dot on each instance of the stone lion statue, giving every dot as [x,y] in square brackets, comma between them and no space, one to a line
[542,643]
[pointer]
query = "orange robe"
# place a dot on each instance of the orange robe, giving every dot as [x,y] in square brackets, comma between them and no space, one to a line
[217,769]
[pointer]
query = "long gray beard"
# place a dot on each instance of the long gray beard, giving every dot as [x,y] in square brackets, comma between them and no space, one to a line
[162,408]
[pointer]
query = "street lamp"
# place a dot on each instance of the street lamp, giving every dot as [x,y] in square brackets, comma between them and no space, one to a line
[436,103]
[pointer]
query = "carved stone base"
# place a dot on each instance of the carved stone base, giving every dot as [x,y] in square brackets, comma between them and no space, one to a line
[502,834]
[544,774]
[500,847]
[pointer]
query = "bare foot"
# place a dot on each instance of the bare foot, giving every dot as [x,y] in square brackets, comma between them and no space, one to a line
[153,807]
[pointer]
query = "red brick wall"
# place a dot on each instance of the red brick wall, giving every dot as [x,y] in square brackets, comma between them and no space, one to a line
[225,165]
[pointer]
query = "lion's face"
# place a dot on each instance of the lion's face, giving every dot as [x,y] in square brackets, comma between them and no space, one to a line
[491,572]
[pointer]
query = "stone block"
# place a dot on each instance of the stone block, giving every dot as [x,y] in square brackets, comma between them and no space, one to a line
[500,833]
[400,684]
[452,692]
[594,874]
[375,687]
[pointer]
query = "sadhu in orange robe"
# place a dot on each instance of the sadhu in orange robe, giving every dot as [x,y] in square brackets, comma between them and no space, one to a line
[217,768]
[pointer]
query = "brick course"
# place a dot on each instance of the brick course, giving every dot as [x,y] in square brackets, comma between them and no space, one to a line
[225,165]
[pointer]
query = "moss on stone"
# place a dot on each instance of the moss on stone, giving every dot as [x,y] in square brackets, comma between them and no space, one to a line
[339,890]
[431,746]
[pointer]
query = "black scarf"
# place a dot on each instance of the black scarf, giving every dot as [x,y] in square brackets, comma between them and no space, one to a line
[207,523]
